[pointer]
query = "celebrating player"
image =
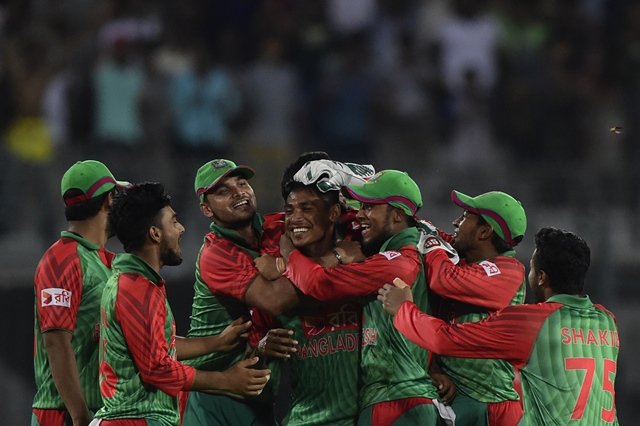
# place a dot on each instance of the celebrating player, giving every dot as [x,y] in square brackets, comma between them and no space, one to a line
[140,376]
[395,388]
[328,334]
[68,287]
[487,278]
[565,348]
[228,284]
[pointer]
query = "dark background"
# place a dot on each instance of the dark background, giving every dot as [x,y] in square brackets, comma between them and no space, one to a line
[538,98]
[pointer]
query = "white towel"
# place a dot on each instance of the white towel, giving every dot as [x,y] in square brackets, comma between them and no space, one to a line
[331,175]
[446,413]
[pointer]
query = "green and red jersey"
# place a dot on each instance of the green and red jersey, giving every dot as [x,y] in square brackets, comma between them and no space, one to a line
[68,286]
[566,350]
[324,370]
[470,292]
[391,367]
[140,376]
[224,271]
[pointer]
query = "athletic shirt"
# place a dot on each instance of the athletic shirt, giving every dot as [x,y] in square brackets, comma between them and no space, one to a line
[68,286]
[224,270]
[566,350]
[324,370]
[472,291]
[139,374]
[391,367]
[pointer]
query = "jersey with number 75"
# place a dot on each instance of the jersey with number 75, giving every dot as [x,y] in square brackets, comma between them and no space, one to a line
[566,350]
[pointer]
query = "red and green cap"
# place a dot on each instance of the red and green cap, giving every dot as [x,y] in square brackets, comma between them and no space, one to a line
[92,178]
[212,172]
[391,187]
[504,213]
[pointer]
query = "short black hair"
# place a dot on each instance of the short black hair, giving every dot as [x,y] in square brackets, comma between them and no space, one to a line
[287,183]
[84,209]
[135,210]
[564,257]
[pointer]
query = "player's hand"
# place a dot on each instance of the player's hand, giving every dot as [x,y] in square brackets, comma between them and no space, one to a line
[429,242]
[350,251]
[445,385]
[392,296]
[286,246]
[266,265]
[278,343]
[231,336]
[244,380]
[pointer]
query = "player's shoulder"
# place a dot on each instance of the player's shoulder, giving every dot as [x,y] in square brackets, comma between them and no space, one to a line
[606,311]
[60,256]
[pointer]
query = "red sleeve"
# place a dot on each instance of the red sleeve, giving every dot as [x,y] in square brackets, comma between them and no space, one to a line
[58,287]
[447,237]
[141,312]
[225,268]
[490,284]
[507,334]
[355,279]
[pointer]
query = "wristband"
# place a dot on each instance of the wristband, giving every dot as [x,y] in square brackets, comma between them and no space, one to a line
[280,265]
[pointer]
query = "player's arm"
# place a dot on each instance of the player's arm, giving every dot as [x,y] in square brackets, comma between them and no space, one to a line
[64,370]
[352,280]
[191,347]
[140,310]
[57,322]
[229,271]
[508,334]
[487,285]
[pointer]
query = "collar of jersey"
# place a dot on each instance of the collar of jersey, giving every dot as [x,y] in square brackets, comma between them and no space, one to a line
[572,300]
[130,263]
[234,237]
[406,237]
[79,238]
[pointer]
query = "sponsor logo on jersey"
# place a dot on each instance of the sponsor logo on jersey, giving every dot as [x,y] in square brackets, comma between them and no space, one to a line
[490,268]
[55,297]
[390,255]
[430,242]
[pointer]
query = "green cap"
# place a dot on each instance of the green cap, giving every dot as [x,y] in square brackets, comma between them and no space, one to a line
[389,187]
[213,171]
[504,213]
[91,177]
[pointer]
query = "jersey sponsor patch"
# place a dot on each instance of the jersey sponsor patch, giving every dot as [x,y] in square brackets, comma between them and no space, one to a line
[55,297]
[490,268]
[390,255]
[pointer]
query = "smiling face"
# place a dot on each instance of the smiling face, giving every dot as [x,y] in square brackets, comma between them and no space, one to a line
[172,230]
[309,221]
[376,221]
[231,203]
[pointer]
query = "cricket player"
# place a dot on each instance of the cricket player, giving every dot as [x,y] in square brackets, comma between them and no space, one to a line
[68,286]
[487,278]
[140,375]
[324,370]
[228,284]
[566,348]
[395,388]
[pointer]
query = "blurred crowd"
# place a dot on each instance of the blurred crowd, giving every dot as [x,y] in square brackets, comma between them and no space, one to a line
[539,93]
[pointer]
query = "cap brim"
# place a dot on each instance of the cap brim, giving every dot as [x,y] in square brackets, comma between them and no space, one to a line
[359,193]
[462,200]
[123,184]
[242,170]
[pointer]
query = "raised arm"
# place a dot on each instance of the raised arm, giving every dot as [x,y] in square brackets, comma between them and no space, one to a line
[353,280]
[490,284]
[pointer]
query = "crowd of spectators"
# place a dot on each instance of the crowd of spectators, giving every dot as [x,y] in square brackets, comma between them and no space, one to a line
[475,93]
